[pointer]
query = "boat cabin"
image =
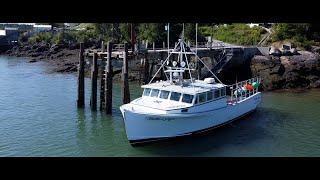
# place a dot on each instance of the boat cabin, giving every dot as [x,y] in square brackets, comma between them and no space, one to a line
[198,93]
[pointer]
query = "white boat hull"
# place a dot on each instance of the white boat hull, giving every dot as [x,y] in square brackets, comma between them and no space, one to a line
[146,126]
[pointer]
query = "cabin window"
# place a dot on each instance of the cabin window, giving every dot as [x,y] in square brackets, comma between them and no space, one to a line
[175,96]
[196,100]
[164,94]
[146,92]
[217,93]
[187,98]
[202,97]
[154,92]
[209,95]
[223,92]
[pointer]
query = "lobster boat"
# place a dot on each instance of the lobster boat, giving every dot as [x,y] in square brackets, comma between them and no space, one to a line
[182,105]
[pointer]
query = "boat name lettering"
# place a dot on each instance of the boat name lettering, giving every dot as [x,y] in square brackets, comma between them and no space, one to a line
[160,118]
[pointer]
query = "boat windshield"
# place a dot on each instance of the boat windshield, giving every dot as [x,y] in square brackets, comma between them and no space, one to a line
[146,92]
[209,95]
[154,93]
[175,96]
[202,97]
[187,98]
[164,94]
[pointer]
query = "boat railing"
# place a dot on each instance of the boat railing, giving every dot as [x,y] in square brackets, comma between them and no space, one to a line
[243,89]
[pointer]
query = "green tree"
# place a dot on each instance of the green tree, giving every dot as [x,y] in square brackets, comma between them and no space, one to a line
[103,30]
[125,33]
[153,32]
[289,31]
[175,32]
[190,32]
[300,35]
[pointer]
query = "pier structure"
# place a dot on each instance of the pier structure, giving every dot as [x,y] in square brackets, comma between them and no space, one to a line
[101,63]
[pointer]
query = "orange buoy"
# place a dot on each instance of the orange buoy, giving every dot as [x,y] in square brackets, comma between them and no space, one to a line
[248,87]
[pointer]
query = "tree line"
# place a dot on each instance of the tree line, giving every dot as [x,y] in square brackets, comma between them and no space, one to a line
[151,32]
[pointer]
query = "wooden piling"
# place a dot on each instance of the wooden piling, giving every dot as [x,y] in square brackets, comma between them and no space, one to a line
[163,45]
[102,46]
[125,94]
[199,69]
[94,77]
[80,100]
[153,46]
[102,87]
[162,71]
[132,27]
[102,77]
[146,69]
[108,80]
[151,69]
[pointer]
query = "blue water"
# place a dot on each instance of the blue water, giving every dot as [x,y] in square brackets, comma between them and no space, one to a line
[38,117]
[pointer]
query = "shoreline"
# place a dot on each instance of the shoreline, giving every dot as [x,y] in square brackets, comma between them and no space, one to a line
[285,73]
[59,57]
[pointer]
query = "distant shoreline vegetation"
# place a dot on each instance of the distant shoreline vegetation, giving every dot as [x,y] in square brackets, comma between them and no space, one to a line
[300,35]
[239,34]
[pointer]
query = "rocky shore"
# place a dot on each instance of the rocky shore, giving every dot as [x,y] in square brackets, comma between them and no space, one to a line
[61,57]
[284,72]
[287,72]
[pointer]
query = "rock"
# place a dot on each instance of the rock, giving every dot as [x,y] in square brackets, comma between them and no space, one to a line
[70,68]
[60,55]
[54,48]
[34,46]
[73,46]
[35,54]
[26,48]
[32,61]
[295,71]
[315,84]
[315,49]
[275,51]
[294,51]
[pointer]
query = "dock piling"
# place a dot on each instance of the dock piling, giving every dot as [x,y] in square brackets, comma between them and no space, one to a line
[146,69]
[199,69]
[125,94]
[94,77]
[151,69]
[80,100]
[102,87]
[108,81]
[161,61]
[102,46]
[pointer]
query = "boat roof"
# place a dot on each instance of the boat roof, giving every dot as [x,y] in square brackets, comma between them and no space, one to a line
[161,104]
[198,86]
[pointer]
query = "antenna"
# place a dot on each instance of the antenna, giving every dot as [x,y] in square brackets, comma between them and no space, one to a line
[182,30]
[168,39]
[237,88]
[196,37]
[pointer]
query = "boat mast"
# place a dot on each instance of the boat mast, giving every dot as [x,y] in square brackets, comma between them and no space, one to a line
[182,30]
[196,38]
[168,38]
[182,45]
[188,68]
[162,65]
